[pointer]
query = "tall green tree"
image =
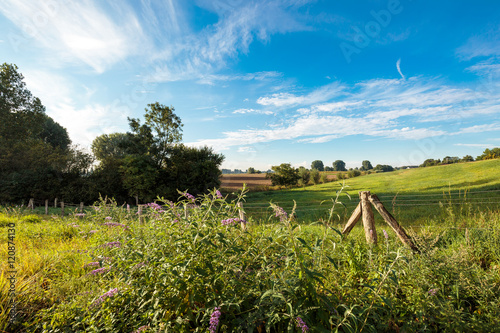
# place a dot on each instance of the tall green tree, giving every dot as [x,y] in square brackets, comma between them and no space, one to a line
[366,165]
[284,174]
[34,149]
[339,165]
[318,165]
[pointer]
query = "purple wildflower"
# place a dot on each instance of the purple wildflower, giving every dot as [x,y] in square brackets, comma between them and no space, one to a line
[386,235]
[232,221]
[218,194]
[433,292]
[112,244]
[141,329]
[99,271]
[302,325]
[93,231]
[109,218]
[80,214]
[114,224]
[128,208]
[92,264]
[189,196]
[154,205]
[214,320]
[280,212]
[103,297]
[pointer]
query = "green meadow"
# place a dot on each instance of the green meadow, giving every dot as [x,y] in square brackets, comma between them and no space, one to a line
[413,196]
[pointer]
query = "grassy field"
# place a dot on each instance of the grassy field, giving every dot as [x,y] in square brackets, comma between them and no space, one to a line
[109,272]
[412,195]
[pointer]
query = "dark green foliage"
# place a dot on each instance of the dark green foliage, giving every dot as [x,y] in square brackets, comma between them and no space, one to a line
[305,176]
[36,159]
[318,165]
[353,173]
[366,165]
[383,168]
[467,158]
[430,162]
[315,176]
[329,168]
[284,175]
[251,170]
[339,165]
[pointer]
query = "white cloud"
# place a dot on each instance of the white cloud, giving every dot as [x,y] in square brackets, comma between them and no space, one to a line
[198,55]
[78,31]
[244,111]
[376,108]
[481,128]
[83,123]
[317,96]
[484,45]
[398,66]
[480,145]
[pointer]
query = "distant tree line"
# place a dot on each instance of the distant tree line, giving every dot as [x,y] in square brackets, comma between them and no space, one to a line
[286,175]
[37,158]
[488,154]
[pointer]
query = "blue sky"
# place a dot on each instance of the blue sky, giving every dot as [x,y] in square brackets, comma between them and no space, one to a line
[269,82]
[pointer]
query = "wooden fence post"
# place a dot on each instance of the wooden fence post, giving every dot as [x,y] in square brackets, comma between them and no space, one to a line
[405,239]
[81,207]
[31,204]
[242,216]
[55,203]
[62,208]
[352,220]
[47,207]
[139,211]
[368,218]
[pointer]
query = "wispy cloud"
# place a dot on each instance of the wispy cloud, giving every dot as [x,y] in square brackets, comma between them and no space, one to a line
[411,109]
[244,111]
[483,45]
[398,66]
[240,23]
[78,31]
[287,99]
[480,145]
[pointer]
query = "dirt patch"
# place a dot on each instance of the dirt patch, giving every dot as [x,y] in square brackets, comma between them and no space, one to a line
[253,181]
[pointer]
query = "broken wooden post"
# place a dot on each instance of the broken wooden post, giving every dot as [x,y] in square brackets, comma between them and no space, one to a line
[62,208]
[47,207]
[81,207]
[368,218]
[243,219]
[139,212]
[405,239]
[352,220]
[55,203]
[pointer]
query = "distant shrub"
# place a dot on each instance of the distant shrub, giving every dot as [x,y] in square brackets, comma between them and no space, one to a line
[353,173]
[315,176]
[324,178]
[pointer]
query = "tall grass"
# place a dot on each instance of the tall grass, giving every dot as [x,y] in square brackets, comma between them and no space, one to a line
[175,272]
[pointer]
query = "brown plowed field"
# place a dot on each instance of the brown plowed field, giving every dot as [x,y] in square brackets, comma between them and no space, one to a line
[254,181]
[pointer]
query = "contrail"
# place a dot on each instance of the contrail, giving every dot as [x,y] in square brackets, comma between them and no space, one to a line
[398,66]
